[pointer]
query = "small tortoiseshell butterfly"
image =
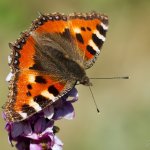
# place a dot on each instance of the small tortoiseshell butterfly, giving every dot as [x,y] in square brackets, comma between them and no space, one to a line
[48,60]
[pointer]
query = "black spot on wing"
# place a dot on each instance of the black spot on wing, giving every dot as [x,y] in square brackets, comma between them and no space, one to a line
[42,101]
[97,41]
[40,79]
[36,67]
[83,29]
[28,93]
[28,109]
[88,28]
[66,33]
[90,49]
[101,30]
[53,90]
[79,38]
[29,86]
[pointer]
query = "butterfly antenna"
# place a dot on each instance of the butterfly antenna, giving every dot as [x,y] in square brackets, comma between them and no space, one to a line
[125,77]
[94,100]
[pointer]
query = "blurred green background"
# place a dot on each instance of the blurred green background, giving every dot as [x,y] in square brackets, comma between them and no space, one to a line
[124,119]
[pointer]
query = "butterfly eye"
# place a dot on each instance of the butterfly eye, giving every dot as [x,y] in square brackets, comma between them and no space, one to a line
[86,81]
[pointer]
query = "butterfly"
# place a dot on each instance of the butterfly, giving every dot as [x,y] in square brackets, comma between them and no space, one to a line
[50,58]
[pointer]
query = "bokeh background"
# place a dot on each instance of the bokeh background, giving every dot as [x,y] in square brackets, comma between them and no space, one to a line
[124,119]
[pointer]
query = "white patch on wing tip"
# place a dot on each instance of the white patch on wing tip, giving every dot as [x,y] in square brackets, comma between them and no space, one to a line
[35,105]
[91,43]
[31,78]
[99,35]
[9,59]
[48,95]
[104,26]
[77,30]
[22,114]
[9,77]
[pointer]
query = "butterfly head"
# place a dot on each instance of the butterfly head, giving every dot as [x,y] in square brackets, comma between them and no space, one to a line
[85,81]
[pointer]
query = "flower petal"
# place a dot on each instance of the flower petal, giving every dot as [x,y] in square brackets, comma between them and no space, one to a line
[48,131]
[22,144]
[17,129]
[27,128]
[40,125]
[57,144]
[71,96]
[66,111]
[35,147]
[33,136]
[70,115]
[8,127]
[49,112]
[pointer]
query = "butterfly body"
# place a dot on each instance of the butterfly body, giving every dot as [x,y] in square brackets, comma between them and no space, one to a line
[49,59]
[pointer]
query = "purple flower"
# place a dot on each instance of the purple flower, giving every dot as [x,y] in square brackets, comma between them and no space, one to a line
[39,132]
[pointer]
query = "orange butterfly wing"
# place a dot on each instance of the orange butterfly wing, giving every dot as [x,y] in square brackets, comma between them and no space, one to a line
[89,31]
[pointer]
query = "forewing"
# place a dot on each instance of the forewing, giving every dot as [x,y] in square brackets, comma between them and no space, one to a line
[89,31]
